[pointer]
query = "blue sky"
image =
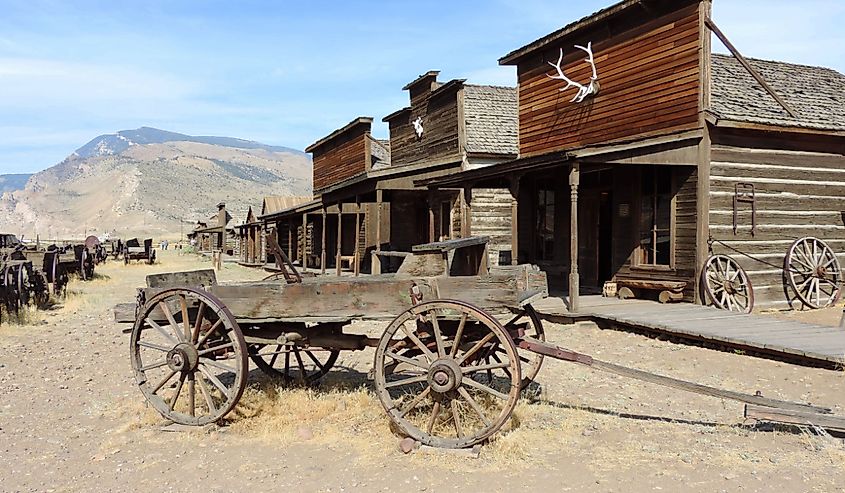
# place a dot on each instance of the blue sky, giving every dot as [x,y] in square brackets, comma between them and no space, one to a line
[287,73]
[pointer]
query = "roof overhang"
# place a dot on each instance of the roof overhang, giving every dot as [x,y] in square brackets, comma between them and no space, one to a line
[714,120]
[361,120]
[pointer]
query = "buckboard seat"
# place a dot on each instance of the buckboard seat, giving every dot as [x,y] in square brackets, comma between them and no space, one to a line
[669,291]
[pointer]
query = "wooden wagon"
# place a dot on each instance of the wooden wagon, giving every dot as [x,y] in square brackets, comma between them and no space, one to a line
[449,365]
[134,250]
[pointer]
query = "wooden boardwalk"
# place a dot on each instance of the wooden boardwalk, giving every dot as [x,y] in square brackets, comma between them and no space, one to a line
[796,341]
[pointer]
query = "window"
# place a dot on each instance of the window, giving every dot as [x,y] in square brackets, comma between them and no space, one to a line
[656,217]
[546,224]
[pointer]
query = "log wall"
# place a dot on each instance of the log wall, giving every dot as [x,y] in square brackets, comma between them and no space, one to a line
[491,216]
[799,192]
[439,113]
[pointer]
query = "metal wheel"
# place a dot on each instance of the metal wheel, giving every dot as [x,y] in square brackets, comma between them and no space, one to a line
[293,364]
[533,326]
[726,284]
[813,272]
[432,377]
[189,356]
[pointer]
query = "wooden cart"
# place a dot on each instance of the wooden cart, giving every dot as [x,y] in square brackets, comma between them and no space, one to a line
[134,250]
[449,365]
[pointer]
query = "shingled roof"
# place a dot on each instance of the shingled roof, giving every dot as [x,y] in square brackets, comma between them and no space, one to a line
[816,94]
[491,119]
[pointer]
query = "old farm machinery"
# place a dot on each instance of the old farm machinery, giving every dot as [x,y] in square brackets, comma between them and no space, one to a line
[448,367]
[134,250]
[812,277]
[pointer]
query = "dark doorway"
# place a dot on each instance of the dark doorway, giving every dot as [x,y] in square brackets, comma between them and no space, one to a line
[605,238]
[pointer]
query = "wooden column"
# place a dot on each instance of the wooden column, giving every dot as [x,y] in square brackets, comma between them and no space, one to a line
[339,235]
[379,198]
[468,211]
[323,243]
[431,218]
[290,239]
[514,189]
[574,180]
[356,268]
[304,241]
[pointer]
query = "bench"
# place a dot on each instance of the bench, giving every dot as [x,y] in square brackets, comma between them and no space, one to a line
[669,291]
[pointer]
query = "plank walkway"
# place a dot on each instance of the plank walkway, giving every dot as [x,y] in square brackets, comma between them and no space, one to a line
[809,343]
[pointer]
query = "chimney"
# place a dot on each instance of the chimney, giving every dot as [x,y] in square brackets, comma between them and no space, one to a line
[222,215]
[423,85]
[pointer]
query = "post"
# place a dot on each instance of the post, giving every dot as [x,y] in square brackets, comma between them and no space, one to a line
[431,237]
[290,239]
[339,235]
[468,208]
[574,180]
[379,198]
[355,268]
[304,261]
[323,243]
[514,189]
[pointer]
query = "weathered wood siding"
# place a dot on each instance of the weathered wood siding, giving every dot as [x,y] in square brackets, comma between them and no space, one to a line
[346,158]
[491,216]
[649,77]
[798,193]
[439,113]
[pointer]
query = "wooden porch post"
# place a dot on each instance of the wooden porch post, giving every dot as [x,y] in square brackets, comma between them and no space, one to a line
[304,240]
[574,180]
[356,268]
[290,238]
[339,235]
[514,189]
[379,198]
[431,237]
[468,211]
[323,243]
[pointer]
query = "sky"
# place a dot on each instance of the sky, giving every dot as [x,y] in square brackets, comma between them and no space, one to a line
[287,73]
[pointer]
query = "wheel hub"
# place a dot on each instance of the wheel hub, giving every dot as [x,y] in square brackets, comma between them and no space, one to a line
[183,357]
[444,375]
[729,287]
[821,272]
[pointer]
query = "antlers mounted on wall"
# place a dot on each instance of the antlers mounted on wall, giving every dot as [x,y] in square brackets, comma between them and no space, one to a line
[591,88]
[418,127]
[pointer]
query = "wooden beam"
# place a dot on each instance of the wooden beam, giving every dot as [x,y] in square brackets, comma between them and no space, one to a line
[751,70]
[468,203]
[339,236]
[431,237]
[302,257]
[514,189]
[379,199]
[323,242]
[356,268]
[574,281]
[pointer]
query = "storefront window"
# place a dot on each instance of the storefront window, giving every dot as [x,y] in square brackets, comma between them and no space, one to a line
[656,217]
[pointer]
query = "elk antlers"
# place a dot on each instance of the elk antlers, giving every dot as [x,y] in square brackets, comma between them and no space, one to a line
[592,88]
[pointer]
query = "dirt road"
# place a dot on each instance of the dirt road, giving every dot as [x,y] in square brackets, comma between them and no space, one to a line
[71,419]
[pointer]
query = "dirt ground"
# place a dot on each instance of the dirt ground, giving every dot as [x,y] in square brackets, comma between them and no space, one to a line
[72,419]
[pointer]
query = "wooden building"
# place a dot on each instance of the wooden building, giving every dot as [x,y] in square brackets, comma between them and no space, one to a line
[215,235]
[250,239]
[276,217]
[627,168]
[369,202]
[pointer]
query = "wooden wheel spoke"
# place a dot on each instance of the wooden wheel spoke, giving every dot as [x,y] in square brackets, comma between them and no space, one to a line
[178,391]
[474,405]
[162,305]
[438,337]
[416,340]
[216,348]
[435,413]
[183,301]
[405,359]
[198,324]
[414,402]
[478,345]
[469,370]
[163,332]
[275,355]
[458,334]
[456,418]
[206,393]
[164,381]
[216,381]
[406,381]
[152,366]
[192,395]
[480,386]
[299,363]
[505,368]
[212,330]
[314,359]
[217,364]
[150,345]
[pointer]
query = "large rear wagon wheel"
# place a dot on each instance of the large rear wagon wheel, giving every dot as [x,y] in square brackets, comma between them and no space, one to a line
[293,364]
[433,380]
[189,356]
[813,272]
[530,362]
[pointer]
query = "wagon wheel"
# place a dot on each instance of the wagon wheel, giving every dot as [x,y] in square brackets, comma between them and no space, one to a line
[813,272]
[53,274]
[126,256]
[433,381]
[291,363]
[86,265]
[530,361]
[726,284]
[10,282]
[189,356]
[24,285]
[40,288]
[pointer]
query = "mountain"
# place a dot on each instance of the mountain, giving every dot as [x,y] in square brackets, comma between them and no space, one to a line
[147,181]
[10,183]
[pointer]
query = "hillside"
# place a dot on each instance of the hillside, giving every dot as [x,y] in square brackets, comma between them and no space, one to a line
[145,181]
